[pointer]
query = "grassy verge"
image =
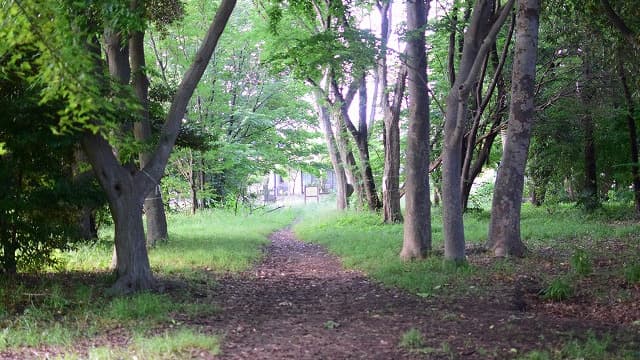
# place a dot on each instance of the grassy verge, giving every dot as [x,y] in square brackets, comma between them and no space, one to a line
[574,258]
[59,307]
[363,242]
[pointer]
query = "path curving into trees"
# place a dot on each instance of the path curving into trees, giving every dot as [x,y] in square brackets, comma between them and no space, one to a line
[299,303]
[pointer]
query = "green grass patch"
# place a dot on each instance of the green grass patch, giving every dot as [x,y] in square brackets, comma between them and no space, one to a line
[412,340]
[69,302]
[213,239]
[592,348]
[363,242]
[178,344]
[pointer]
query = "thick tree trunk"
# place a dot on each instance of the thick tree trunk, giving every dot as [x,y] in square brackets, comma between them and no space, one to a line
[126,188]
[153,206]
[417,224]
[134,270]
[633,137]
[477,42]
[504,228]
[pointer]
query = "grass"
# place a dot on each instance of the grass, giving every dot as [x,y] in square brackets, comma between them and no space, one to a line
[567,250]
[179,344]
[592,348]
[69,302]
[412,340]
[364,243]
[216,240]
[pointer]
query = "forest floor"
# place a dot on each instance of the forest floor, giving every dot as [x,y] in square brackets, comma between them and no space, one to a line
[299,303]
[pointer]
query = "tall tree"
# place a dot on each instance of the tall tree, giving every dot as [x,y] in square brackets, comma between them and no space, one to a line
[585,93]
[478,40]
[391,115]
[504,228]
[631,126]
[126,188]
[417,224]
[153,206]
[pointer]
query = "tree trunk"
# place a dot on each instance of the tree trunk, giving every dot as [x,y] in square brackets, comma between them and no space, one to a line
[504,228]
[590,190]
[134,270]
[351,169]
[477,42]
[392,212]
[471,170]
[153,205]
[417,225]
[87,224]
[126,188]
[633,137]
[332,147]
[9,263]
[362,142]
[391,175]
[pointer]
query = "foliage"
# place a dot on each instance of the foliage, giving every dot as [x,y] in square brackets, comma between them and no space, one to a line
[37,169]
[245,121]
[632,273]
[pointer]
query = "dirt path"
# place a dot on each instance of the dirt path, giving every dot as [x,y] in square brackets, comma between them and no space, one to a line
[300,304]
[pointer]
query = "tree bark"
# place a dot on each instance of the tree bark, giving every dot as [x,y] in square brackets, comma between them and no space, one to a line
[471,170]
[153,205]
[504,227]
[391,175]
[392,212]
[362,142]
[589,196]
[332,147]
[477,42]
[417,225]
[361,177]
[126,188]
[633,137]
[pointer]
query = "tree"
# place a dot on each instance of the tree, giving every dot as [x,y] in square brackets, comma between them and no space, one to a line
[631,125]
[153,205]
[126,188]
[504,227]
[417,224]
[477,42]
[391,115]
[331,55]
